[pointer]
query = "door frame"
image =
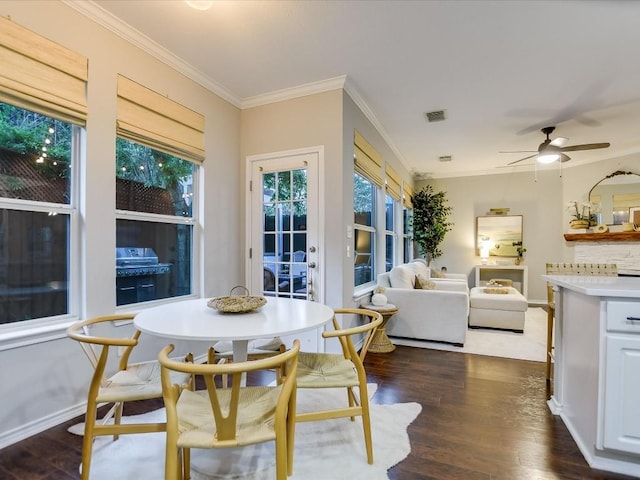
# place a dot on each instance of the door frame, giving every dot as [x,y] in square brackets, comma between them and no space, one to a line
[318,150]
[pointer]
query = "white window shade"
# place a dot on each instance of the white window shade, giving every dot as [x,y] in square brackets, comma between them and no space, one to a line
[368,161]
[393,183]
[151,119]
[40,75]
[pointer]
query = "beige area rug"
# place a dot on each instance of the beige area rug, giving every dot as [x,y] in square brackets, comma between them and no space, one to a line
[530,345]
[330,449]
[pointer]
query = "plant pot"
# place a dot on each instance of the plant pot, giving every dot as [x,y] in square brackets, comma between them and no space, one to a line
[579,224]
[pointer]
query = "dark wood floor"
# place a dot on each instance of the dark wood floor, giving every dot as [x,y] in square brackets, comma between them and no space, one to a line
[483,418]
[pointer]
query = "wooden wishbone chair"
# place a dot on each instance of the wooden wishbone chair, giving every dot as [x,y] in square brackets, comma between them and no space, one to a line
[131,382]
[327,370]
[220,417]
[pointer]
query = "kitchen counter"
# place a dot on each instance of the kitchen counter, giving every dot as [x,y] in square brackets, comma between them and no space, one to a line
[596,390]
[598,286]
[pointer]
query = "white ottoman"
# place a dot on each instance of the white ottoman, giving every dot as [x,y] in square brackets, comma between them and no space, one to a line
[497,310]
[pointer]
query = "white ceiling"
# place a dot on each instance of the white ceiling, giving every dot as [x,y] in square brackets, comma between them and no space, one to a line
[501,69]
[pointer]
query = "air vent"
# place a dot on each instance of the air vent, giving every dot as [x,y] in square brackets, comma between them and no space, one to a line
[422,175]
[437,116]
[445,158]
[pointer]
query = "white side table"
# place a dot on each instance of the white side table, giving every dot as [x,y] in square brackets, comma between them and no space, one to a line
[380,342]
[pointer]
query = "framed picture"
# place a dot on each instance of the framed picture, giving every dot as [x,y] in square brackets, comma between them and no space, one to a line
[500,234]
[634,215]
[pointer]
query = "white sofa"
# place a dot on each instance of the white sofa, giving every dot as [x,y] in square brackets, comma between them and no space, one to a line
[436,315]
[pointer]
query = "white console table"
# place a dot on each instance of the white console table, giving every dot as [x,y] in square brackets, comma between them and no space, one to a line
[516,273]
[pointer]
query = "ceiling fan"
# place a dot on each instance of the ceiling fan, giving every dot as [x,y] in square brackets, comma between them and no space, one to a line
[550,151]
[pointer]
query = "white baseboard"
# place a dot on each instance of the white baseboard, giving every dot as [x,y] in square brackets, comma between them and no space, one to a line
[40,425]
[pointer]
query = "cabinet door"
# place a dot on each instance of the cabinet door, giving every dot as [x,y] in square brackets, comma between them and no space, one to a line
[622,394]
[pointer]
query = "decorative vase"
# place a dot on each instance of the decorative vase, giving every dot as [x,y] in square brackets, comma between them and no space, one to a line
[379,299]
[579,224]
[518,260]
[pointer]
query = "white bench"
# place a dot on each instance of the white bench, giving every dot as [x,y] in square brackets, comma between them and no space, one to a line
[497,310]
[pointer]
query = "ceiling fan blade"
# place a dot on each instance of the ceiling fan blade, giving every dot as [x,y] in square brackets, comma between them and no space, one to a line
[523,159]
[559,141]
[586,146]
[564,158]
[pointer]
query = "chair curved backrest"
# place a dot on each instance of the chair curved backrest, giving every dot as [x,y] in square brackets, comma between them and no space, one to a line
[221,417]
[131,382]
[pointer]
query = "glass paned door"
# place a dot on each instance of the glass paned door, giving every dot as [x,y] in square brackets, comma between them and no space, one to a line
[285,230]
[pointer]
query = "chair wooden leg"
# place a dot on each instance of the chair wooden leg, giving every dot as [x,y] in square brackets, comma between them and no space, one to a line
[550,314]
[186,464]
[87,440]
[117,418]
[172,463]
[366,423]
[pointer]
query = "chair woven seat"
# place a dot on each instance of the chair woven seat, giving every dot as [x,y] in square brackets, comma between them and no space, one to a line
[139,381]
[255,424]
[325,370]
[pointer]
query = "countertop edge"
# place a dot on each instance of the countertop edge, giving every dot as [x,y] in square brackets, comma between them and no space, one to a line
[598,286]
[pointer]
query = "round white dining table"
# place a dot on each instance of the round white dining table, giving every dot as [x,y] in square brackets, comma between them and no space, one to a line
[194,320]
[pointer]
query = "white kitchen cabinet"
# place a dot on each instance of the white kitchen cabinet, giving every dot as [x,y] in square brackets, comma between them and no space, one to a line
[622,385]
[596,388]
[622,394]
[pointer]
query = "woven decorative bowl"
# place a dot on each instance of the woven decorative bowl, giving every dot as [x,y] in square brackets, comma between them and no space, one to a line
[237,303]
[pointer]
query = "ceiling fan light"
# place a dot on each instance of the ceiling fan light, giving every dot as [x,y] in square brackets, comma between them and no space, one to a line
[548,157]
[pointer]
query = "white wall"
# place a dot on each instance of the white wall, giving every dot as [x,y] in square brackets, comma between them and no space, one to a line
[44,381]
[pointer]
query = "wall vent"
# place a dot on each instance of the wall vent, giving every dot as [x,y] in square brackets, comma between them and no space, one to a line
[445,158]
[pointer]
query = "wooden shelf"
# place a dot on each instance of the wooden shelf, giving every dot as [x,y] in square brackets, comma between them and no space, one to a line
[603,237]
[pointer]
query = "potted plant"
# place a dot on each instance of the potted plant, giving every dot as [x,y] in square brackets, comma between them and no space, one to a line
[521,251]
[581,214]
[429,222]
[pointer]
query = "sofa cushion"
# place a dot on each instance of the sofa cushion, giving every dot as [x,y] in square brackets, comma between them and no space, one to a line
[424,283]
[402,277]
[419,268]
[437,273]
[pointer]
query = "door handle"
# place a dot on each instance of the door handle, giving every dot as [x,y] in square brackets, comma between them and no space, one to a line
[311,264]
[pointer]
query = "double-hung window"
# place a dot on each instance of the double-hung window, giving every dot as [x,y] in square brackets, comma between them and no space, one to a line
[42,111]
[367,187]
[158,152]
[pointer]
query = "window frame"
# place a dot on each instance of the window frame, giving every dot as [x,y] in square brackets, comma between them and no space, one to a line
[36,326]
[371,229]
[192,221]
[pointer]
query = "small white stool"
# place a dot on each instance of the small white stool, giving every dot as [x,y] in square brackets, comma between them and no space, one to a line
[497,310]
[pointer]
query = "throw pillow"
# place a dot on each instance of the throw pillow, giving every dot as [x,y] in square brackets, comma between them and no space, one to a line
[424,284]
[401,277]
[437,273]
[499,290]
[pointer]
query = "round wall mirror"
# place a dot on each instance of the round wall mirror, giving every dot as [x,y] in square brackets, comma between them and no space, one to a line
[618,198]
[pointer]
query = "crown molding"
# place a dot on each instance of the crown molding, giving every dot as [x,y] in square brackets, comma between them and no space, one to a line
[321,86]
[101,16]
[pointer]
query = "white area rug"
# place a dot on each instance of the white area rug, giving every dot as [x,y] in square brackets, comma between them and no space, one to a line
[530,345]
[330,449]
